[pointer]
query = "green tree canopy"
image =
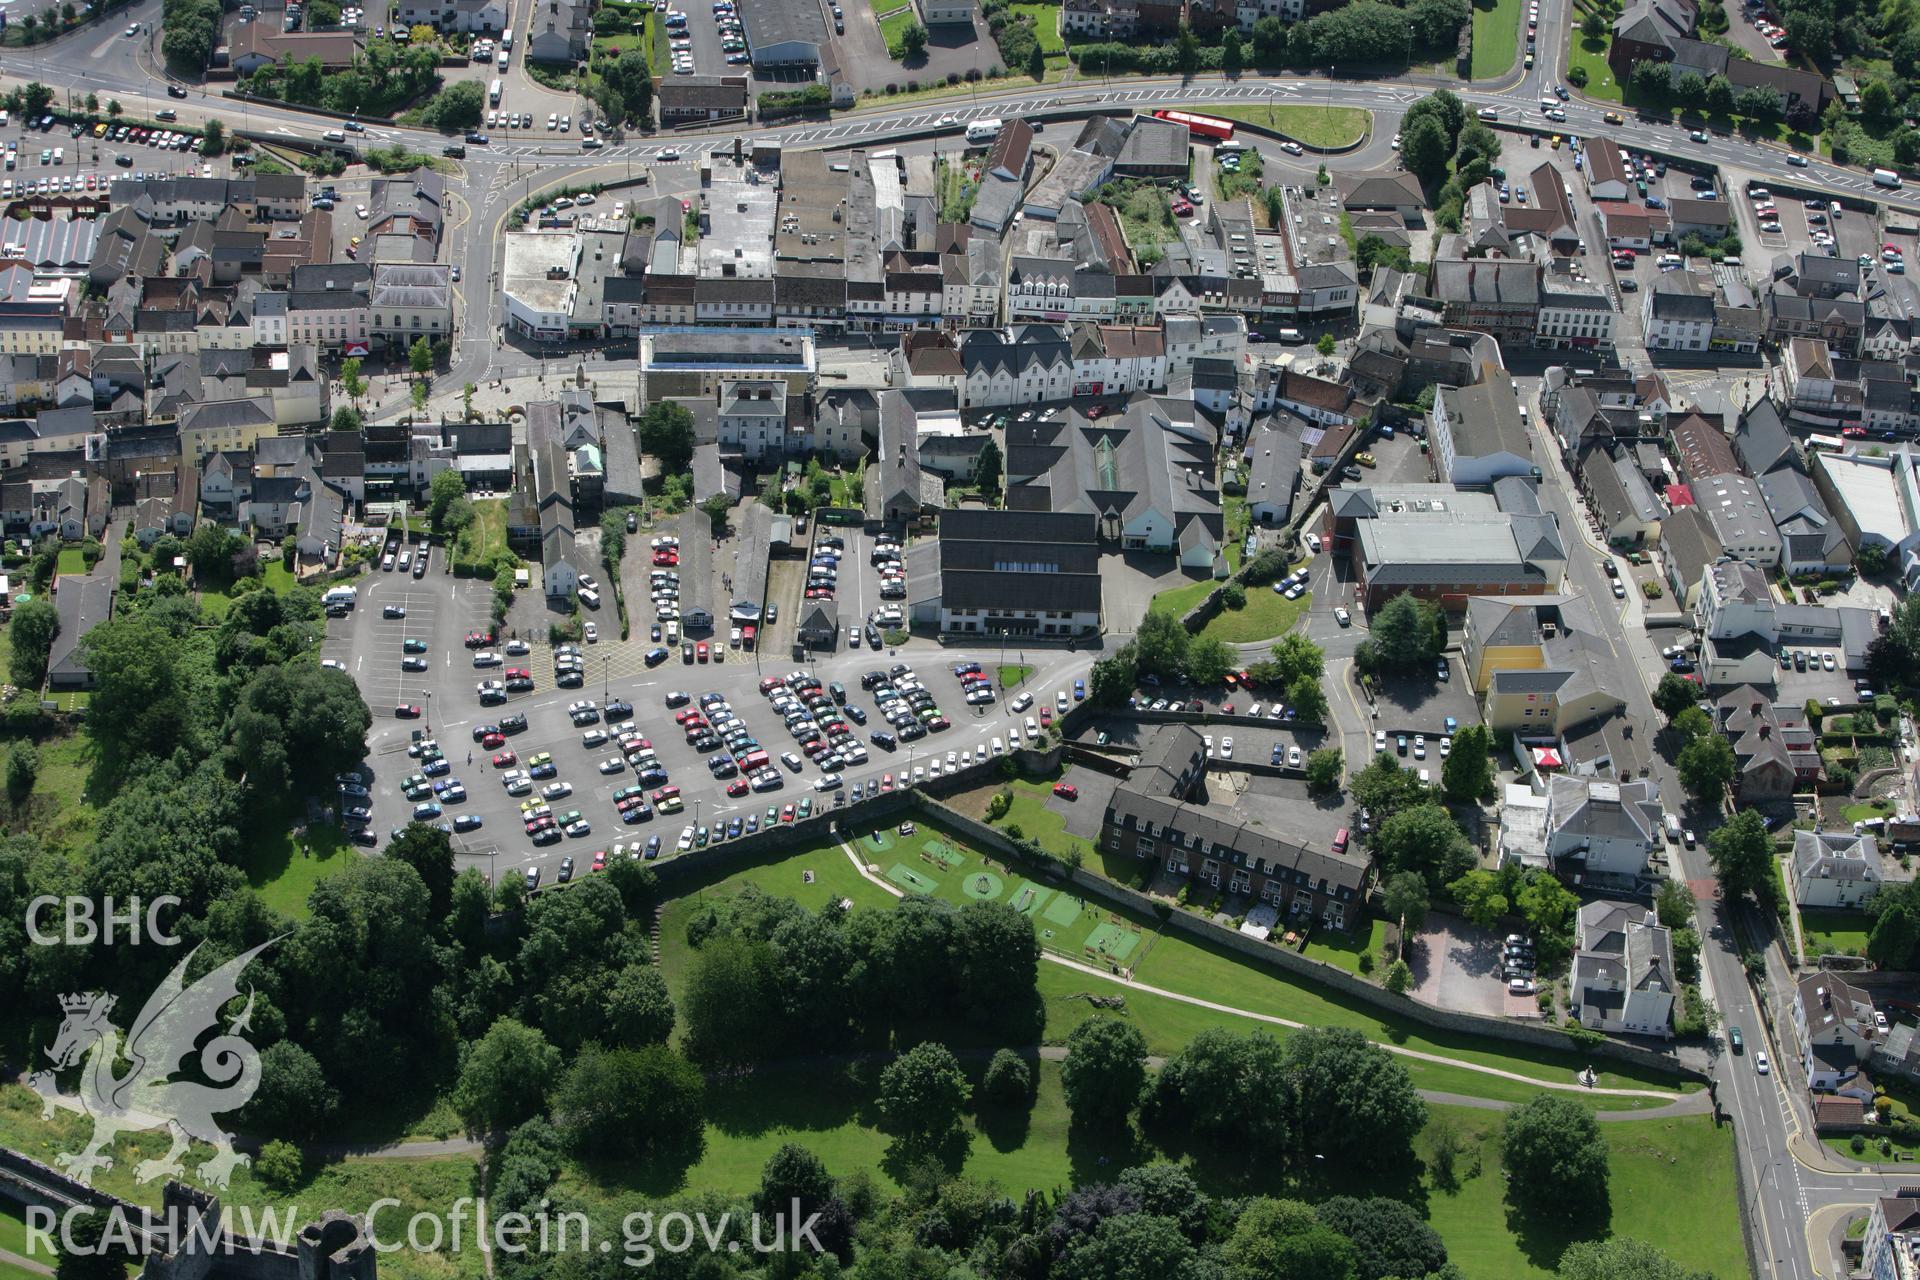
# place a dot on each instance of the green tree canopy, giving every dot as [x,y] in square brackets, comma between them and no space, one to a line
[1556,1158]
[1105,1069]
[505,1077]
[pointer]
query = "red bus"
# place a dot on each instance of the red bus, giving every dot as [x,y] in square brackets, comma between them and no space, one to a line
[1199,126]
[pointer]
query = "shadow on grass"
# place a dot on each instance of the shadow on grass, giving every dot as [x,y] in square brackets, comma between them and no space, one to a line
[1543,1237]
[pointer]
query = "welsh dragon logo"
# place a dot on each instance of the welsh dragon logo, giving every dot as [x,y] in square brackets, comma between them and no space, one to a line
[157,1047]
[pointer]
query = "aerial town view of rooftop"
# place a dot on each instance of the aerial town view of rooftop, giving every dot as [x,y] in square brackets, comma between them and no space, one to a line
[1255,641]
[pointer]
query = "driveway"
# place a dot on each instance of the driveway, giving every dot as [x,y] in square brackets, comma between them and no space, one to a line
[1457,966]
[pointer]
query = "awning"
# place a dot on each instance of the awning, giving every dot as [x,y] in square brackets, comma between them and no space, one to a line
[355,347]
[1546,758]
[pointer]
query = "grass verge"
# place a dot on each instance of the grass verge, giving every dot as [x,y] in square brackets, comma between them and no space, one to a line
[1496,36]
[1327,128]
[1268,614]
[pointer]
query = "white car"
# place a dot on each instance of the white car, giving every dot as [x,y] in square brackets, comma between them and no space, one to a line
[1022,702]
[1379,739]
[667,156]
[1760,1063]
[1291,148]
[593,738]
[592,630]
[487,658]
[1226,748]
[1341,616]
[553,120]
[556,791]
[613,764]
[1293,757]
[332,664]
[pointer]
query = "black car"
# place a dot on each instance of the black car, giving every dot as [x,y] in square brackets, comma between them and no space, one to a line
[176,91]
[855,714]
[881,738]
[619,709]
[364,837]
[686,651]
[656,656]
[477,139]
[513,724]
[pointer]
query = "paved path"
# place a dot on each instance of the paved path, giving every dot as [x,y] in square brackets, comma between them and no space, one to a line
[1569,1085]
[13,1259]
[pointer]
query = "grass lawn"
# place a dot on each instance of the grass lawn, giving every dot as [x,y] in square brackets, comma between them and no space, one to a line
[1046,26]
[1671,1183]
[894,29]
[1170,961]
[58,811]
[1268,614]
[1345,949]
[72,700]
[1177,601]
[1834,930]
[283,868]
[1591,54]
[486,537]
[1866,810]
[71,561]
[1012,673]
[1903,1150]
[419,1185]
[1328,128]
[1496,35]
[278,577]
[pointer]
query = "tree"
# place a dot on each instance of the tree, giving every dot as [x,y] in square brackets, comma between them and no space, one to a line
[1351,1100]
[666,433]
[793,1174]
[1389,1237]
[1652,79]
[639,1007]
[1674,694]
[1594,25]
[626,1103]
[1384,788]
[1324,769]
[1556,1158]
[34,626]
[1160,646]
[1105,1069]
[420,357]
[294,1098]
[1720,95]
[1425,148]
[1187,51]
[1208,661]
[1232,55]
[23,766]
[96,1252]
[114,109]
[1427,841]
[1482,897]
[457,106]
[1889,945]
[1405,898]
[1467,772]
[1761,103]
[1112,679]
[279,1165]
[1225,1088]
[1549,908]
[1398,979]
[1871,559]
[1008,1081]
[350,380]
[923,1094]
[446,488]
[1621,1258]
[1407,633]
[1690,724]
[1326,344]
[913,42]
[36,98]
[1674,904]
[1037,62]
[988,469]
[505,1076]
[1706,766]
[1133,1246]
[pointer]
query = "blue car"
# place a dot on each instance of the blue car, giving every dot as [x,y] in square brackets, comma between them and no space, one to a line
[1079,690]
[547,770]
[437,768]
[653,847]
[467,822]
[753,823]
[426,811]
[655,777]
[633,815]
[733,828]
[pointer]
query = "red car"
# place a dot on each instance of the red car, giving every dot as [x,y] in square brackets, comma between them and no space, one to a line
[479,639]
[1066,791]
[665,559]
[786,813]
[700,651]
[886,782]
[600,860]
[1227,710]
[1095,411]
[505,759]
[738,787]
[819,593]
[406,711]
[493,740]
[1046,715]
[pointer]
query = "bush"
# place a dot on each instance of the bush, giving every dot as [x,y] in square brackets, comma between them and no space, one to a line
[1233,596]
[1008,1082]
[1858,1143]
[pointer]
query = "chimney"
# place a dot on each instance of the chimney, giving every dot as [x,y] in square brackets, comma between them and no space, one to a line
[1766,731]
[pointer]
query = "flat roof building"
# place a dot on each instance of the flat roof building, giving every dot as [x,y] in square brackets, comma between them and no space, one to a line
[784,33]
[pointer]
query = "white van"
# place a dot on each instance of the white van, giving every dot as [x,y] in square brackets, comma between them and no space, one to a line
[983,131]
[1673,829]
[1290,335]
[1886,178]
[506,38]
[1668,261]
[589,597]
[340,595]
[673,632]
[59,155]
